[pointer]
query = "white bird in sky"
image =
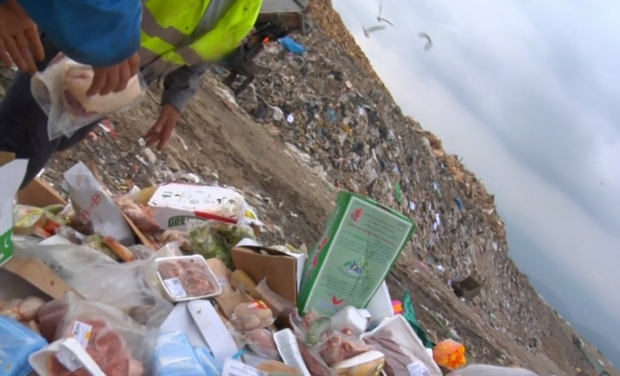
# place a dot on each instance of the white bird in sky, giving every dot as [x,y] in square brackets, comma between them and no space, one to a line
[429,42]
[381,19]
[372,29]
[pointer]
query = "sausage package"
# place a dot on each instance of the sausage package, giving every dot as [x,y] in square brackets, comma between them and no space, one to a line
[60,90]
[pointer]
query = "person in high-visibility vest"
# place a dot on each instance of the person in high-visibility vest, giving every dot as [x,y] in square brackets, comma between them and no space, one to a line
[179,39]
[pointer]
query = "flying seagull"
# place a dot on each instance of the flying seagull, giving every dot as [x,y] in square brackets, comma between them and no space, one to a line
[429,42]
[372,29]
[381,19]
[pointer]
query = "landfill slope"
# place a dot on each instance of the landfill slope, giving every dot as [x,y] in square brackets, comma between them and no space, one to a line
[346,132]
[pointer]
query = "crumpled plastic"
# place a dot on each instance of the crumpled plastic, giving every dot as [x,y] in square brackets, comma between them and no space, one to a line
[129,287]
[60,91]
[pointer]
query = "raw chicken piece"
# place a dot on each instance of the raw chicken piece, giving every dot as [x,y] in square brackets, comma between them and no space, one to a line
[22,309]
[141,215]
[170,236]
[261,342]
[339,348]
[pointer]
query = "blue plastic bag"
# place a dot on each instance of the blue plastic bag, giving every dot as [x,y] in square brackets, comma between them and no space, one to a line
[174,356]
[16,344]
[290,45]
[210,365]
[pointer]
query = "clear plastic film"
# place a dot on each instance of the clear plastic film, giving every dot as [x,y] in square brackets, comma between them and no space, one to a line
[174,355]
[60,90]
[486,370]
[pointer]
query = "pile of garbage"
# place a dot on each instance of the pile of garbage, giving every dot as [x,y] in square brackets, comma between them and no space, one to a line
[170,279]
[347,129]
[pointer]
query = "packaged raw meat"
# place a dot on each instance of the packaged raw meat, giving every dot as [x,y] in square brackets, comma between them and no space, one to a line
[16,343]
[340,347]
[114,341]
[174,355]
[261,342]
[60,90]
[187,277]
[279,305]
[141,215]
[403,349]
[22,310]
[253,315]
[70,354]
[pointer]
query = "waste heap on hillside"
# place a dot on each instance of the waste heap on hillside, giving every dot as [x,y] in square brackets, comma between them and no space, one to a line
[348,130]
[170,279]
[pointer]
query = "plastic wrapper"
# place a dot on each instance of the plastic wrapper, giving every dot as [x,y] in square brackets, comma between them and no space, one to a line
[177,236]
[130,287]
[340,347]
[210,365]
[253,315]
[187,277]
[313,328]
[114,341]
[174,355]
[213,239]
[313,360]
[450,354]
[261,343]
[16,343]
[60,90]
[485,370]
[279,305]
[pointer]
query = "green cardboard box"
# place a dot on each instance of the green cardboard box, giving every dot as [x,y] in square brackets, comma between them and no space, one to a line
[361,242]
[11,176]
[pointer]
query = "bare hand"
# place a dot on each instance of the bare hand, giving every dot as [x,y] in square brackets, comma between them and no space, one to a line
[114,78]
[162,130]
[19,38]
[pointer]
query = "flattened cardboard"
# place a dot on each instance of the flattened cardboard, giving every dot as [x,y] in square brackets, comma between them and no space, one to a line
[279,268]
[39,275]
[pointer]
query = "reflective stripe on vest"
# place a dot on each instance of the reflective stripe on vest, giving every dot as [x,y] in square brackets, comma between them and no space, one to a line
[163,48]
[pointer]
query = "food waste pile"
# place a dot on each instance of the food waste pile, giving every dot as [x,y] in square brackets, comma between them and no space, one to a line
[171,279]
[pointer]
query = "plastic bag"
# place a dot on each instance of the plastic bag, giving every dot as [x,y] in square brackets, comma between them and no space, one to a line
[341,347]
[130,287]
[450,354]
[60,90]
[484,370]
[210,365]
[261,342]
[253,315]
[279,305]
[213,239]
[174,355]
[114,341]
[313,328]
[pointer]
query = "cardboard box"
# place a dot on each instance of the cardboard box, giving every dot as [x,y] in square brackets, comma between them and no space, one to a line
[282,270]
[11,175]
[176,203]
[361,242]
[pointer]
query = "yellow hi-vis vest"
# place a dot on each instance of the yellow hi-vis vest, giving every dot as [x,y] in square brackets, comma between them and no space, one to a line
[168,26]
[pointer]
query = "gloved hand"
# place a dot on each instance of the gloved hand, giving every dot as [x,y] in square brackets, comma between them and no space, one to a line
[19,38]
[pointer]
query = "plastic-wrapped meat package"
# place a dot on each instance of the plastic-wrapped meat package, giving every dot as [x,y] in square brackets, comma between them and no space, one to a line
[279,305]
[118,345]
[252,315]
[485,370]
[141,215]
[341,347]
[60,90]
[261,343]
[187,277]
[315,364]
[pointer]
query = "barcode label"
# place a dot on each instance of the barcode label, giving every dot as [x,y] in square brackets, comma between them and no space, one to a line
[418,368]
[68,359]
[81,332]
[175,288]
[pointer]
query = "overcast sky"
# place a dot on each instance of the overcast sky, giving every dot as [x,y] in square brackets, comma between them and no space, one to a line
[527,92]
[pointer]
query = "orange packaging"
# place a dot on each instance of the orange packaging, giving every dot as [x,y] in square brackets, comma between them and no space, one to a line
[450,354]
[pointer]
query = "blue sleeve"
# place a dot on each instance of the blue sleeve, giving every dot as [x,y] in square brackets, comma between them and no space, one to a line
[93,32]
